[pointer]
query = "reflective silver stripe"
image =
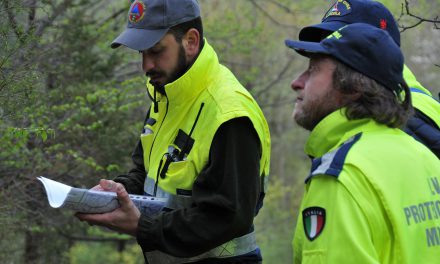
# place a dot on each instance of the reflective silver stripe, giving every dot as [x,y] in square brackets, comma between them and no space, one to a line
[326,161]
[236,247]
[174,201]
[332,163]
[149,186]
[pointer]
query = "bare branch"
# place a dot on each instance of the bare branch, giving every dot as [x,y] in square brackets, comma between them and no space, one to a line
[113,16]
[58,10]
[13,22]
[271,18]
[420,20]
[279,77]
[93,239]
[285,8]
[31,17]
[276,103]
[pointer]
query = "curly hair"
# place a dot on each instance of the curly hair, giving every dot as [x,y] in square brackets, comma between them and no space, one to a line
[374,100]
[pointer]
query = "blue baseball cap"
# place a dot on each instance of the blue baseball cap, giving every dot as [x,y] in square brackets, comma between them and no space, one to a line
[366,49]
[150,20]
[344,12]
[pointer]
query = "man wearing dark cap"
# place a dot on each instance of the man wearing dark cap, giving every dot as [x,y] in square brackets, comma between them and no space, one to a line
[424,125]
[372,195]
[205,146]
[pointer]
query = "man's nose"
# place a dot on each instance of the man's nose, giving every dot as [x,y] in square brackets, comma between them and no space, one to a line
[298,83]
[147,62]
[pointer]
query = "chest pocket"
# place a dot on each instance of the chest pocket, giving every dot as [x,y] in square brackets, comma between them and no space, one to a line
[179,177]
[177,170]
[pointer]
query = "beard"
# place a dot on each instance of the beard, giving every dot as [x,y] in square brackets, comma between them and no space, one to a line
[180,69]
[308,113]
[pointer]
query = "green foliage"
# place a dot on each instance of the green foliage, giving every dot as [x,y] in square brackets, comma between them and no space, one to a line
[110,247]
[105,253]
[22,134]
[62,114]
[274,224]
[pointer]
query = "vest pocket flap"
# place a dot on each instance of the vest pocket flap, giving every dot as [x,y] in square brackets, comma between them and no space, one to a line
[180,175]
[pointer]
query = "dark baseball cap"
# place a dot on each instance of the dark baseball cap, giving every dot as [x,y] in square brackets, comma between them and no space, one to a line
[344,12]
[150,20]
[366,49]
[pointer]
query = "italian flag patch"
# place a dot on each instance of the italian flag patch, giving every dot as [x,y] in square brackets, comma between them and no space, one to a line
[314,221]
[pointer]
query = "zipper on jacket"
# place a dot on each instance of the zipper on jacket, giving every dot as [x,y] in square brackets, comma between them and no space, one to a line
[152,145]
[158,130]
[157,178]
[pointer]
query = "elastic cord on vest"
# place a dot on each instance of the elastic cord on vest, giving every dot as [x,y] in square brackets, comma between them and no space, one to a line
[182,152]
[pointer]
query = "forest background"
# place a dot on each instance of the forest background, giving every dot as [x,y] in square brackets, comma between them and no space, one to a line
[71,109]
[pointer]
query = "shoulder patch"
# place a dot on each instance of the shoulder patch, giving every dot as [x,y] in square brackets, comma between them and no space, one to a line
[332,162]
[313,221]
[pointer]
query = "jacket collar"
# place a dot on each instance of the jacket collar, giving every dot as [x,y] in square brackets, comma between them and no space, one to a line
[194,81]
[334,130]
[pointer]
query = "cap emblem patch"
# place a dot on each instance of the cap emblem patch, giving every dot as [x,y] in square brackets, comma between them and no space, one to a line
[136,13]
[336,35]
[340,8]
[313,221]
[383,24]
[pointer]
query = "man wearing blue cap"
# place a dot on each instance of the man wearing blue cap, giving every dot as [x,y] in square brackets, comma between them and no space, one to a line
[373,192]
[205,146]
[424,125]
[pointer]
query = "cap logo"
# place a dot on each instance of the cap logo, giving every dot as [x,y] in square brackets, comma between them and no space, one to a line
[336,35]
[314,221]
[340,8]
[136,13]
[383,24]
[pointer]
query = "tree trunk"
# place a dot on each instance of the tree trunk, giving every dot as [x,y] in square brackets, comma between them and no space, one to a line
[31,254]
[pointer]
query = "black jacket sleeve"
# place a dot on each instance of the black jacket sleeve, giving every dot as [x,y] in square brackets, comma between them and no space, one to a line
[225,196]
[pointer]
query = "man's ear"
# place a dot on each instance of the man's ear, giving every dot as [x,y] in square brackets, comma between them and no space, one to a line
[191,41]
